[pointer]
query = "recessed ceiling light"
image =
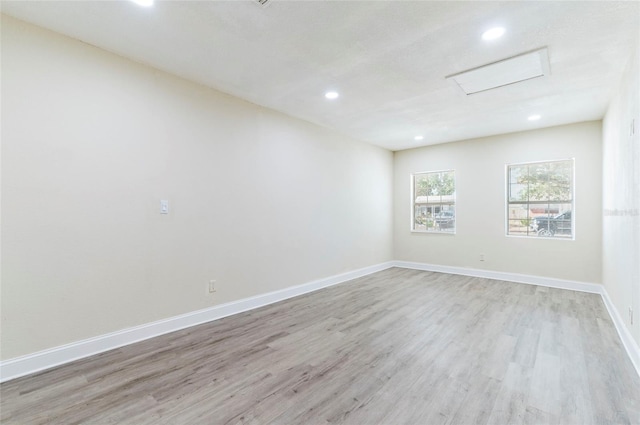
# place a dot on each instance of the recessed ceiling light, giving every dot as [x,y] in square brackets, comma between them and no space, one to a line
[331,95]
[145,3]
[418,138]
[493,33]
[534,117]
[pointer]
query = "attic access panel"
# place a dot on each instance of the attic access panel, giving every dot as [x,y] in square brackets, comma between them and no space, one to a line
[509,71]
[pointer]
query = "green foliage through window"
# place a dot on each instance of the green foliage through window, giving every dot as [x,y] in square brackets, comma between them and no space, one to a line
[434,202]
[548,181]
[433,184]
[540,199]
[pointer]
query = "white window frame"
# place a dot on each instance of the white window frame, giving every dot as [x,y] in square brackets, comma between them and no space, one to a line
[413,203]
[573,200]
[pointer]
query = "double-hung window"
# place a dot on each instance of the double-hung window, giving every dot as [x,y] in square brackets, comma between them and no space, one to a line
[434,202]
[540,199]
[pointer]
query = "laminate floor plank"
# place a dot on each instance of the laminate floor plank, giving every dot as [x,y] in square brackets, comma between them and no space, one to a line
[399,346]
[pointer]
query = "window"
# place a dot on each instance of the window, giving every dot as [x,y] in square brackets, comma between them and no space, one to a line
[434,202]
[540,199]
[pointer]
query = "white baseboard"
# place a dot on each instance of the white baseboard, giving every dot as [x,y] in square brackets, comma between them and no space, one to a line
[633,351]
[573,285]
[36,362]
[42,360]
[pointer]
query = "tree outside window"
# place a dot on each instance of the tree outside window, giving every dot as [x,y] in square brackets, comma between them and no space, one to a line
[540,199]
[434,202]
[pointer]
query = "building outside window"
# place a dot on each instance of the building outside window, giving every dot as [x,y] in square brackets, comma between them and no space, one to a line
[434,202]
[540,199]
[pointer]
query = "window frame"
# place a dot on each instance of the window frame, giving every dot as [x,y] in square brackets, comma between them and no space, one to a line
[573,200]
[413,203]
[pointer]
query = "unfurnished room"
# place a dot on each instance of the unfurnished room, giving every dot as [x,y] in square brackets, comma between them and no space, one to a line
[320,212]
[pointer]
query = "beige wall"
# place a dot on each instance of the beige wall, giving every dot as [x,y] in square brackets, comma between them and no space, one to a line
[258,201]
[480,210]
[92,142]
[621,197]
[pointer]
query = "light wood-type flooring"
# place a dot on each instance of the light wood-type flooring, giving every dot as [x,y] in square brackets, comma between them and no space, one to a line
[395,347]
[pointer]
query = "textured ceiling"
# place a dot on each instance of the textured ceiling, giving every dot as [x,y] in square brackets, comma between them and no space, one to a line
[388,59]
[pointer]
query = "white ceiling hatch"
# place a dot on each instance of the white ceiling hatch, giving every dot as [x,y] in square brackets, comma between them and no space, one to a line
[387,59]
[503,73]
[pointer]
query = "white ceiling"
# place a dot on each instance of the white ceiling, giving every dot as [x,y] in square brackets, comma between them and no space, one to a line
[388,59]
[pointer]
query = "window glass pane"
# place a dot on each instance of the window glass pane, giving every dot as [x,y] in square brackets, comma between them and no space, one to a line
[519,219]
[518,183]
[421,187]
[552,220]
[431,212]
[516,172]
[540,199]
[445,219]
[434,202]
[517,192]
[420,217]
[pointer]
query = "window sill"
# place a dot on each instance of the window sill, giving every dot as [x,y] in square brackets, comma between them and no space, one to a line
[433,232]
[545,238]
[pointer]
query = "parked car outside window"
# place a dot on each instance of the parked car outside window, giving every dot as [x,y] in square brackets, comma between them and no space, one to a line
[550,226]
[445,219]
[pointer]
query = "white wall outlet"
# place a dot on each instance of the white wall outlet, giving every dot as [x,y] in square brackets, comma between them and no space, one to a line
[630,316]
[164,206]
[481,257]
[212,286]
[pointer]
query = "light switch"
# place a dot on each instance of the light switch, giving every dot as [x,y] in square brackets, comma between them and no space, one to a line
[164,207]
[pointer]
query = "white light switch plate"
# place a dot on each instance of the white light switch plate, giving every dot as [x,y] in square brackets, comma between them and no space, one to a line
[164,207]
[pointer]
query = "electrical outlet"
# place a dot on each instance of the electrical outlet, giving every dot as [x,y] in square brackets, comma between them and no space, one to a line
[630,315]
[481,257]
[212,286]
